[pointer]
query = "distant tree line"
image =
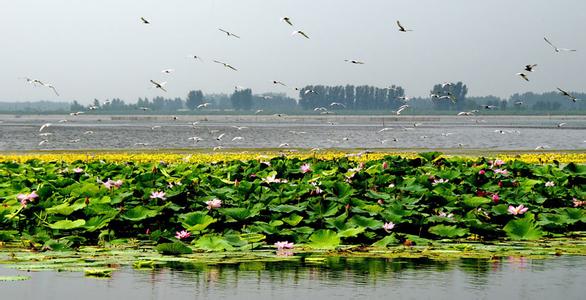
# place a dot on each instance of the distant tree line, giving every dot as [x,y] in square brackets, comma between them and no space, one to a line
[443,98]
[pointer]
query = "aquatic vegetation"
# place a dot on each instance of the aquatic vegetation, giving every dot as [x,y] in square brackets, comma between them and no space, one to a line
[14,278]
[316,203]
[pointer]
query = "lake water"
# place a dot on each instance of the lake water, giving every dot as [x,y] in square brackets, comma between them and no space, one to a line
[342,132]
[337,278]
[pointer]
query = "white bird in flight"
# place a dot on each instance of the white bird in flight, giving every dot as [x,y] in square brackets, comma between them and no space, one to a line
[159,85]
[279,83]
[337,104]
[401,108]
[564,93]
[558,49]
[300,33]
[524,76]
[225,65]
[228,33]
[219,138]
[203,105]
[46,125]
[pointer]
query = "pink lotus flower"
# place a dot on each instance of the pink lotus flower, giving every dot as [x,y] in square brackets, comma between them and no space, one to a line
[549,184]
[284,245]
[495,198]
[78,170]
[215,203]
[380,201]
[388,226]
[385,165]
[498,163]
[305,168]
[117,183]
[273,179]
[438,181]
[182,234]
[25,198]
[481,172]
[519,210]
[158,195]
[578,203]
[503,172]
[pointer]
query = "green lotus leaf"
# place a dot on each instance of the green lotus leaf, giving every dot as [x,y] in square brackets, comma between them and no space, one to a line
[67,224]
[196,221]
[65,208]
[369,223]
[475,202]
[176,248]
[324,239]
[386,241]
[448,231]
[253,237]
[293,219]
[212,243]
[237,213]
[523,229]
[351,232]
[98,222]
[139,213]
[430,156]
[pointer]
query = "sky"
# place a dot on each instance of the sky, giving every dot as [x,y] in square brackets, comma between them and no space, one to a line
[100,48]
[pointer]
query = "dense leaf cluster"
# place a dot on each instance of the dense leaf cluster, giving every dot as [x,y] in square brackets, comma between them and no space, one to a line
[336,202]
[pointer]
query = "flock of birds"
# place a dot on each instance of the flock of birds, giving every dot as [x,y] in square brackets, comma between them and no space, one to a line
[322,110]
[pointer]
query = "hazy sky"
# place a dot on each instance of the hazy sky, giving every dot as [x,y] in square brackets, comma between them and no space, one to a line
[100,49]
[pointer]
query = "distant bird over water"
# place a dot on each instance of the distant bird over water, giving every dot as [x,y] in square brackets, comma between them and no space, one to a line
[564,93]
[356,62]
[144,21]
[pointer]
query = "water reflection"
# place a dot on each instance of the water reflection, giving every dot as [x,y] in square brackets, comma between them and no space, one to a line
[324,278]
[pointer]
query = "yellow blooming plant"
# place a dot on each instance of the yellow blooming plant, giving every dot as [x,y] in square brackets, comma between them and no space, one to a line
[207,157]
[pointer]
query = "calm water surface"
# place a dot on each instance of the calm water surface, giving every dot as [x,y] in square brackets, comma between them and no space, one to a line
[165,132]
[337,278]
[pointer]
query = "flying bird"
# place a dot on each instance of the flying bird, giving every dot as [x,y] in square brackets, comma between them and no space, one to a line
[337,104]
[239,127]
[159,85]
[46,125]
[356,62]
[228,33]
[219,138]
[279,83]
[310,91]
[168,71]
[300,33]
[401,28]
[556,48]
[401,108]
[237,138]
[524,76]
[287,20]
[564,93]
[529,68]
[203,105]
[51,87]
[144,21]
[225,65]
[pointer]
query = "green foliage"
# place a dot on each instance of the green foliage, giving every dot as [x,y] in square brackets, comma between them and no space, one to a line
[324,239]
[523,229]
[176,248]
[354,203]
[445,231]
